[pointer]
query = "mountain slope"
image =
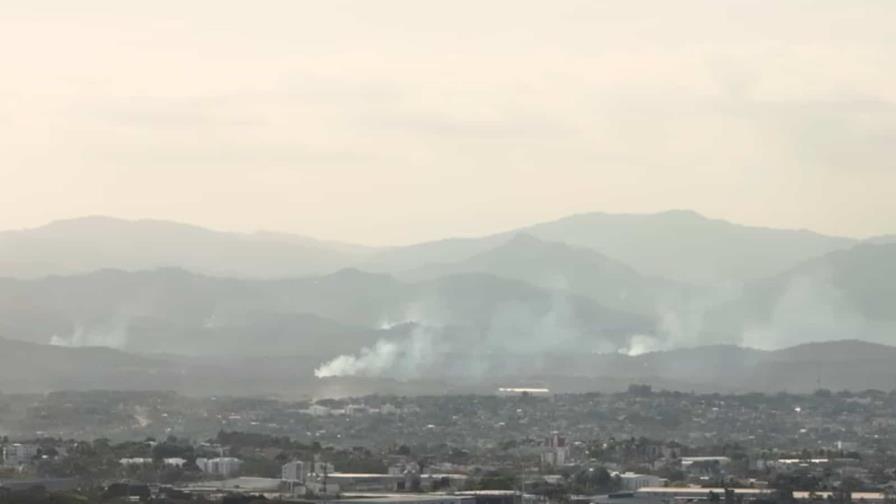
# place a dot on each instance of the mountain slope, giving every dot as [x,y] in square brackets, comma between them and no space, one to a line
[678,245]
[837,365]
[687,247]
[486,301]
[410,257]
[177,311]
[882,239]
[558,266]
[91,243]
[681,246]
[29,367]
[845,294]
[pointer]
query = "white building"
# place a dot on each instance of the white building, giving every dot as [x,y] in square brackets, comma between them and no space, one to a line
[294,472]
[18,454]
[135,461]
[404,468]
[174,462]
[318,410]
[410,499]
[319,488]
[688,461]
[356,409]
[555,451]
[221,466]
[634,481]
[524,391]
[702,494]
[323,468]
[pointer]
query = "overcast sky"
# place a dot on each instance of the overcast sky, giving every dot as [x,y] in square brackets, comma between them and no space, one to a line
[397,121]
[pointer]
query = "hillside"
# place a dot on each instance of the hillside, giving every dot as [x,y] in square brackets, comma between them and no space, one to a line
[558,266]
[29,367]
[835,365]
[524,300]
[845,294]
[679,245]
[177,311]
[91,243]
[688,247]
[840,365]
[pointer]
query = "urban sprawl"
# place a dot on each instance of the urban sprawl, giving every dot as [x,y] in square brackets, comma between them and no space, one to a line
[519,445]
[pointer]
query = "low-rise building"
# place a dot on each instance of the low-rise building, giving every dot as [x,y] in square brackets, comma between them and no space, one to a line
[634,481]
[18,454]
[135,461]
[220,466]
[174,461]
[703,493]
[323,468]
[404,498]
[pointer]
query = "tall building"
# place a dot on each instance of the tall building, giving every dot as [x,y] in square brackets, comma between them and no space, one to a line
[294,472]
[555,451]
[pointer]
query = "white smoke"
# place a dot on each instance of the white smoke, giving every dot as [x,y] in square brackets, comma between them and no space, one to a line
[639,344]
[513,338]
[811,309]
[112,335]
[680,321]
[397,359]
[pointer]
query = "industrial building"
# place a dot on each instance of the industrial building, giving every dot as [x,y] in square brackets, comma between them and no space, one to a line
[633,481]
[666,494]
[220,466]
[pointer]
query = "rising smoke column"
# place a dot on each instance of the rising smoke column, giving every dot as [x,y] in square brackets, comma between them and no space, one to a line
[513,340]
[396,359]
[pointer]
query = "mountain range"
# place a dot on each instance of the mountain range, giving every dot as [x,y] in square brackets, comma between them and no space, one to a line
[678,245]
[576,299]
[92,243]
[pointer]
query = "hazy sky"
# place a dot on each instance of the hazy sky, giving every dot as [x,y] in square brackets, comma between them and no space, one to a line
[395,121]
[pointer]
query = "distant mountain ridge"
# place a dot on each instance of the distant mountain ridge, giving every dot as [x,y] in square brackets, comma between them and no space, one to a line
[553,265]
[685,246]
[681,246]
[554,295]
[92,243]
